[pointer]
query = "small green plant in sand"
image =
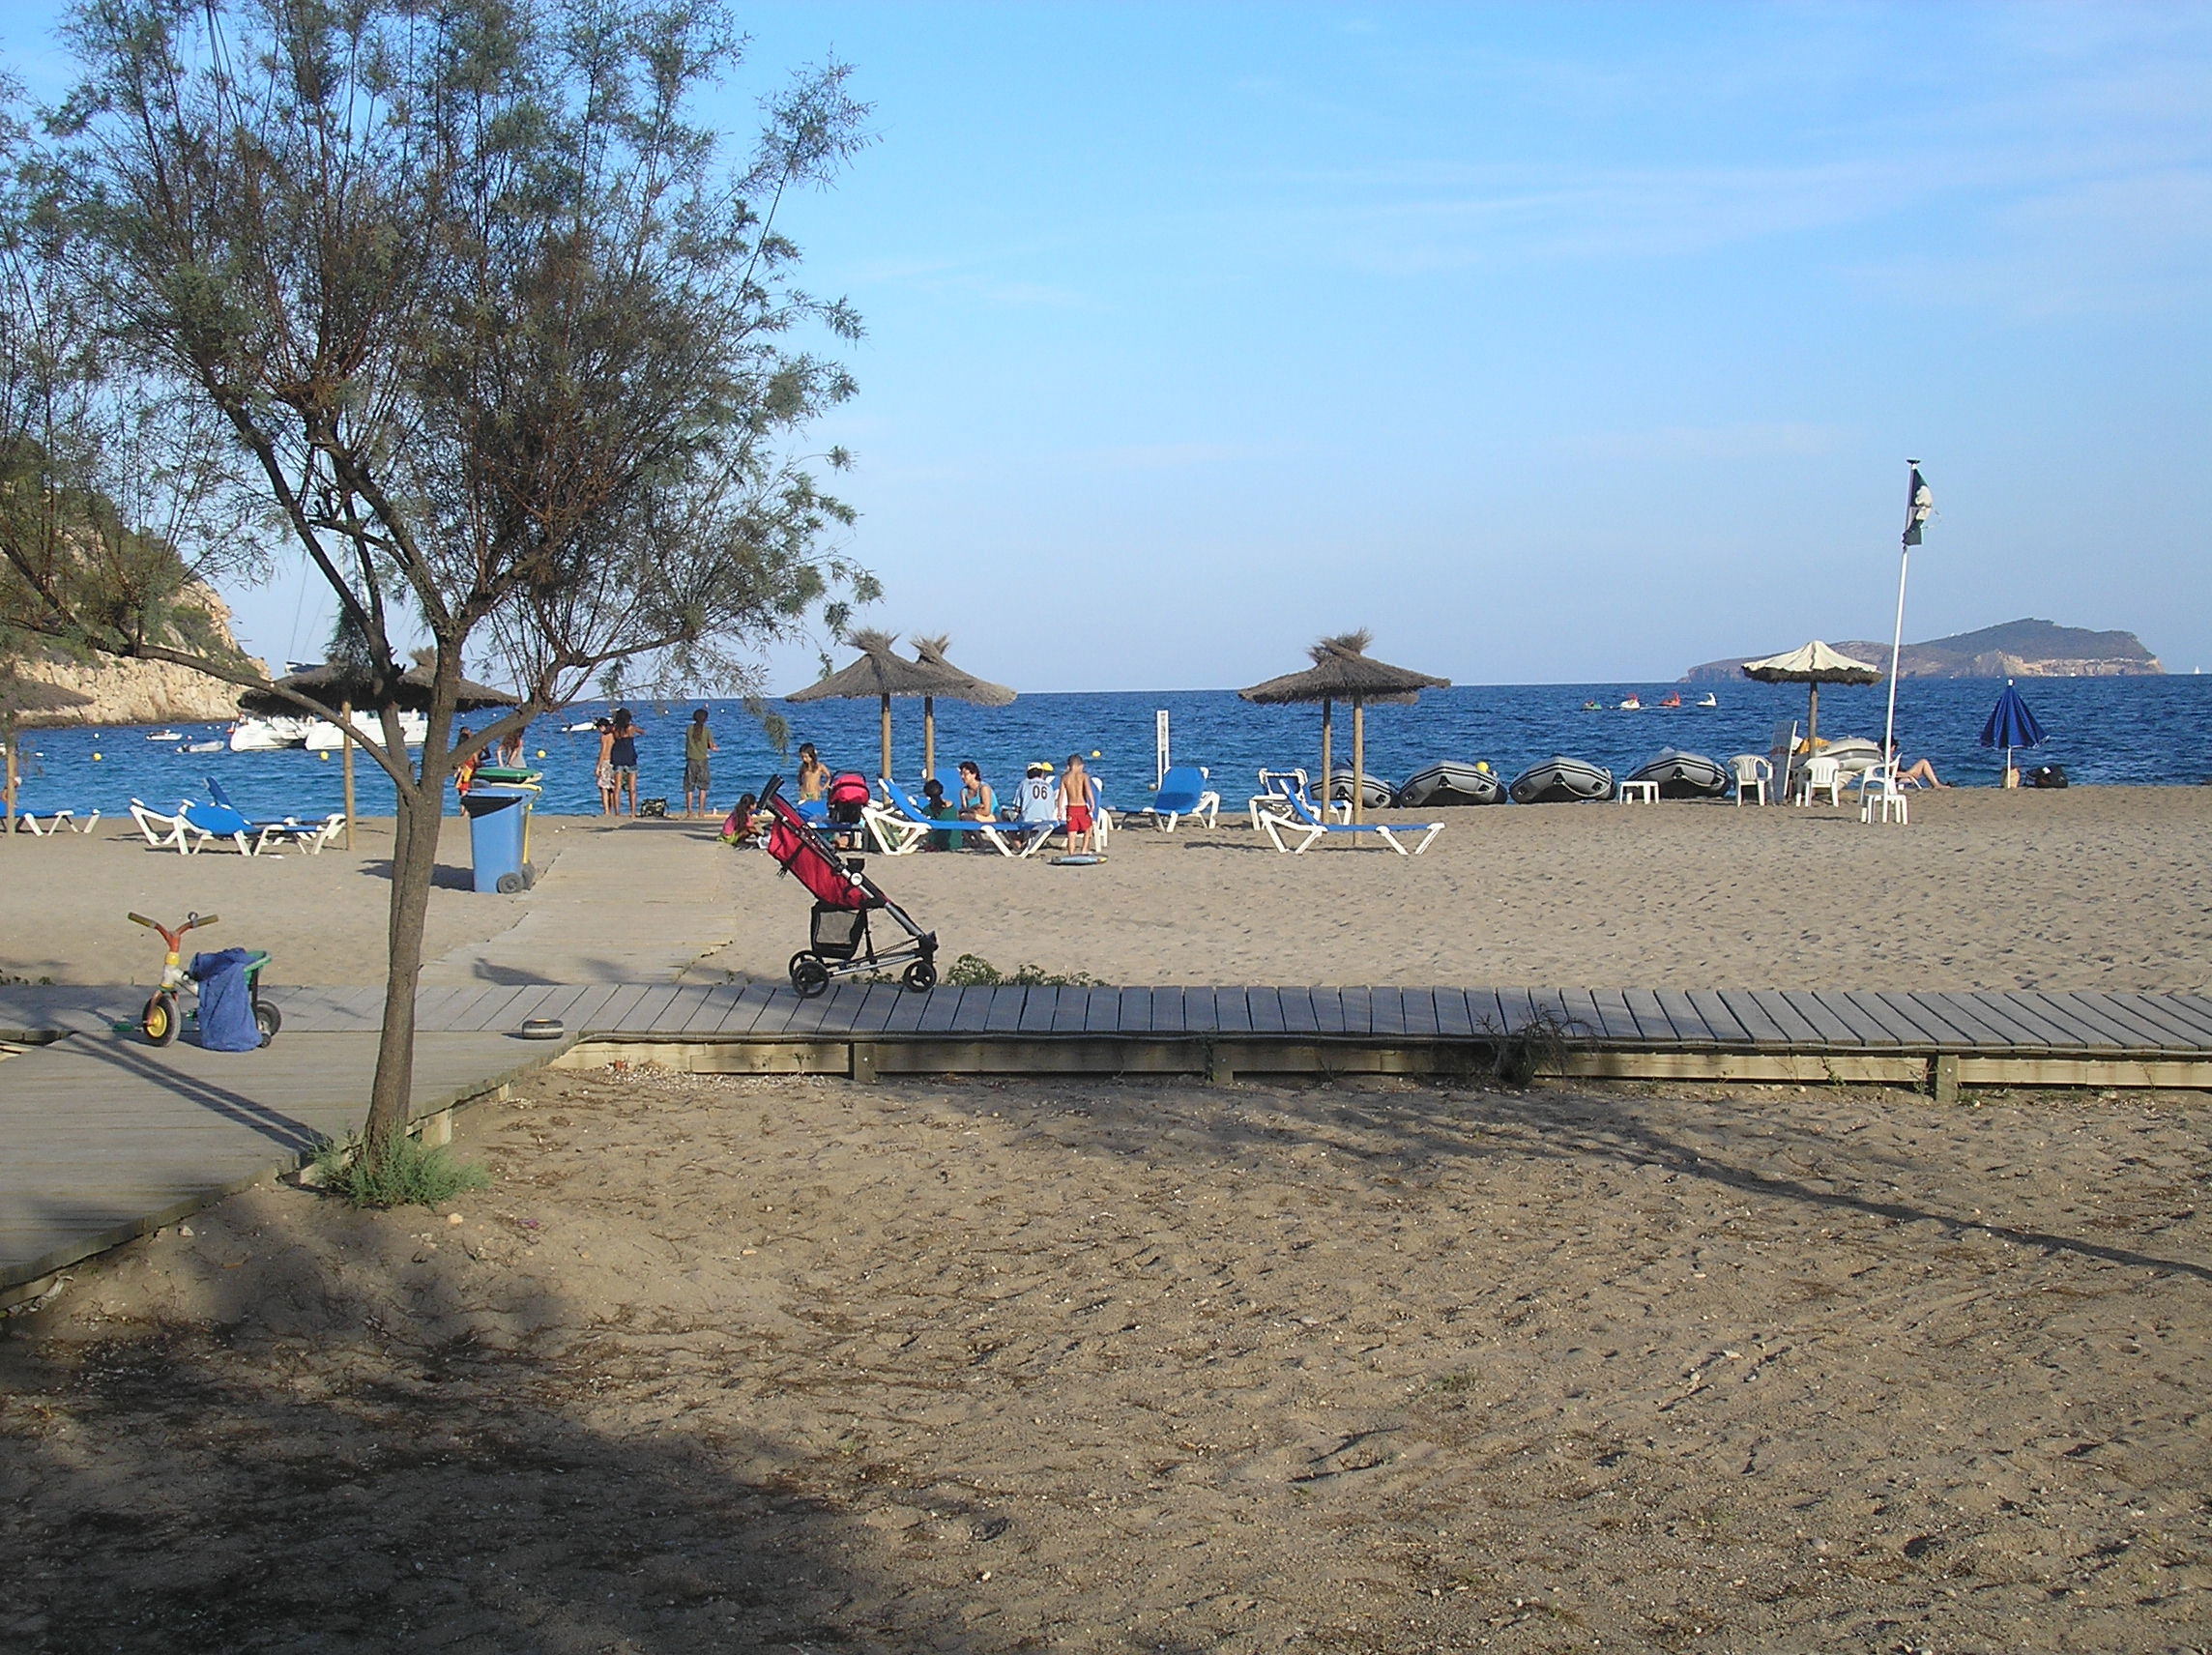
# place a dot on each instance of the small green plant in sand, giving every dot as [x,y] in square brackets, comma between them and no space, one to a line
[972,971]
[408,1172]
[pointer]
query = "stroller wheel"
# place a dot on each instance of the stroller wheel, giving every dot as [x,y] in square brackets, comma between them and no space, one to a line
[268,1019]
[808,975]
[921,977]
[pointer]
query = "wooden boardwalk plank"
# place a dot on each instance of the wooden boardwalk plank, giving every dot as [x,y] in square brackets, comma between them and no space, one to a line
[1725,1026]
[503,1009]
[1358,1010]
[1166,1010]
[1072,1014]
[2143,1031]
[1786,1017]
[618,1005]
[1984,1035]
[1328,1010]
[2087,1025]
[940,1009]
[1652,1018]
[1830,1028]
[1422,1021]
[645,1016]
[1910,1011]
[1386,1011]
[2006,1033]
[1038,1006]
[906,1015]
[1455,1013]
[435,1003]
[1265,1009]
[1747,1009]
[1868,1029]
[2038,1023]
[2195,1004]
[1233,1011]
[2163,1011]
[744,1014]
[1003,1012]
[1517,1010]
[1688,1018]
[1298,1015]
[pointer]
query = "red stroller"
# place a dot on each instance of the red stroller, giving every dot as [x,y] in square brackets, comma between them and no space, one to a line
[844,896]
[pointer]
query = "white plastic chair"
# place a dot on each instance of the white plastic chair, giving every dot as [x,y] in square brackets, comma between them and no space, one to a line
[1879,793]
[1752,774]
[1823,774]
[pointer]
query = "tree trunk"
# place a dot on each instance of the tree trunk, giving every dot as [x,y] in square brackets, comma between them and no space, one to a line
[414,860]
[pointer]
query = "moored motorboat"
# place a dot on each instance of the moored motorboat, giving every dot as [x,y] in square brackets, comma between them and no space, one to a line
[268,735]
[1561,780]
[1374,793]
[164,736]
[1633,704]
[1684,775]
[324,737]
[1710,700]
[1450,782]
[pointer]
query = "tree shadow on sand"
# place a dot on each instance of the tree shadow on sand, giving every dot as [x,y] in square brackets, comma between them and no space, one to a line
[301,1463]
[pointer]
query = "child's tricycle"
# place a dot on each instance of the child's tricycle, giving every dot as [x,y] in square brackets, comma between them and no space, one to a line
[160,1021]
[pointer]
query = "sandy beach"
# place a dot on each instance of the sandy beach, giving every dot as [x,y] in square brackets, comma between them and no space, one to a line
[791,1365]
[2090,888]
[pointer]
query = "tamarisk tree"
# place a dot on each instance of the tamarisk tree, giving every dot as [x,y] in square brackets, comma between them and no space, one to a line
[497,336]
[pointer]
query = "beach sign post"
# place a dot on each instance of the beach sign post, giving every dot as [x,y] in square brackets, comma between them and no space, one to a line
[1919,504]
[1160,750]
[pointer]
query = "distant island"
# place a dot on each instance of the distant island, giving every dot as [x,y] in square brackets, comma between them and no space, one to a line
[2016,649]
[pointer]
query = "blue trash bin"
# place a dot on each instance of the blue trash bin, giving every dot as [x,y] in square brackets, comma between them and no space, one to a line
[499,836]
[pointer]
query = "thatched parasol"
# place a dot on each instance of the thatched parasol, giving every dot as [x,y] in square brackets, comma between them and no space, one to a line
[960,685]
[1812,664]
[338,686]
[880,674]
[1344,671]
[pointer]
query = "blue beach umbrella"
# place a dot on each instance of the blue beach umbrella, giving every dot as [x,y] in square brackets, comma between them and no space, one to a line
[2011,725]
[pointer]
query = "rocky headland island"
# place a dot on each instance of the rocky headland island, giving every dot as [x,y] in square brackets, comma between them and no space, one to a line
[54,689]
[2015,648]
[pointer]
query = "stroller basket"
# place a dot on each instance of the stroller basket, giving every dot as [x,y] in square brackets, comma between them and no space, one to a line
[845,898]
[839,932]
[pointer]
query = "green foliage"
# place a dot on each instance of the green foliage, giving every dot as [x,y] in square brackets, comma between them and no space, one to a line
[399,1170]
[972,971]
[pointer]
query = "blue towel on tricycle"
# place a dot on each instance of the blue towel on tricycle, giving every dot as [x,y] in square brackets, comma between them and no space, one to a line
[226,1001]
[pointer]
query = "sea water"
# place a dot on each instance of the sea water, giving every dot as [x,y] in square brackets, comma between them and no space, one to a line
[2155,730]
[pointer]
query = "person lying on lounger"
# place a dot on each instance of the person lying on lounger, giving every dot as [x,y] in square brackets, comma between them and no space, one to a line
[1920,772]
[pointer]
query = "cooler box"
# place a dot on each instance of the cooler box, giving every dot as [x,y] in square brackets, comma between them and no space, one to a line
[499,835]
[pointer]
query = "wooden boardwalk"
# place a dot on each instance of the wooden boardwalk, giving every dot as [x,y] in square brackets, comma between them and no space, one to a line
[103,1137]
[1825,1022]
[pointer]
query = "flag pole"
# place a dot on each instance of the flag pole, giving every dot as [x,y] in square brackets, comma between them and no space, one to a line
[1915,512]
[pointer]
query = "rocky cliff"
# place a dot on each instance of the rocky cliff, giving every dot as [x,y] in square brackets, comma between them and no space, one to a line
[2016,649]
[136,692]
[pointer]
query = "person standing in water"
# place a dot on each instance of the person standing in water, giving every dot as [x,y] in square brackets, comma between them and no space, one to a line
[698,775]
[622,755]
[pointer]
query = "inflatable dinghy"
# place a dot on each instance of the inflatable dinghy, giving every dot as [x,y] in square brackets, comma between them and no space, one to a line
[1450,782]
[1852,754]
[1561,780]
[1684,775]
[1374,795]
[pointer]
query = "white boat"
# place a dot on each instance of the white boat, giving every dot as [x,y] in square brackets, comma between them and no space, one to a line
[164,736]
[324,737]
[1632,703]
[1710,700]
[268,735]
[202,748]
[587,724]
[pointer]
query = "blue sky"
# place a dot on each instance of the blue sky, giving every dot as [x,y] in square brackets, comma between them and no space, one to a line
[1552,343]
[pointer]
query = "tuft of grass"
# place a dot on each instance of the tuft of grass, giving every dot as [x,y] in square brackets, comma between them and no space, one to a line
[401,1171]
[972,971]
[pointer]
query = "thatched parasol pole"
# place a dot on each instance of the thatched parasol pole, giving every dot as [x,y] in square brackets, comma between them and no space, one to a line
[345,711]
[929,737]
[885,771]
[1327,758]
[1358,756]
